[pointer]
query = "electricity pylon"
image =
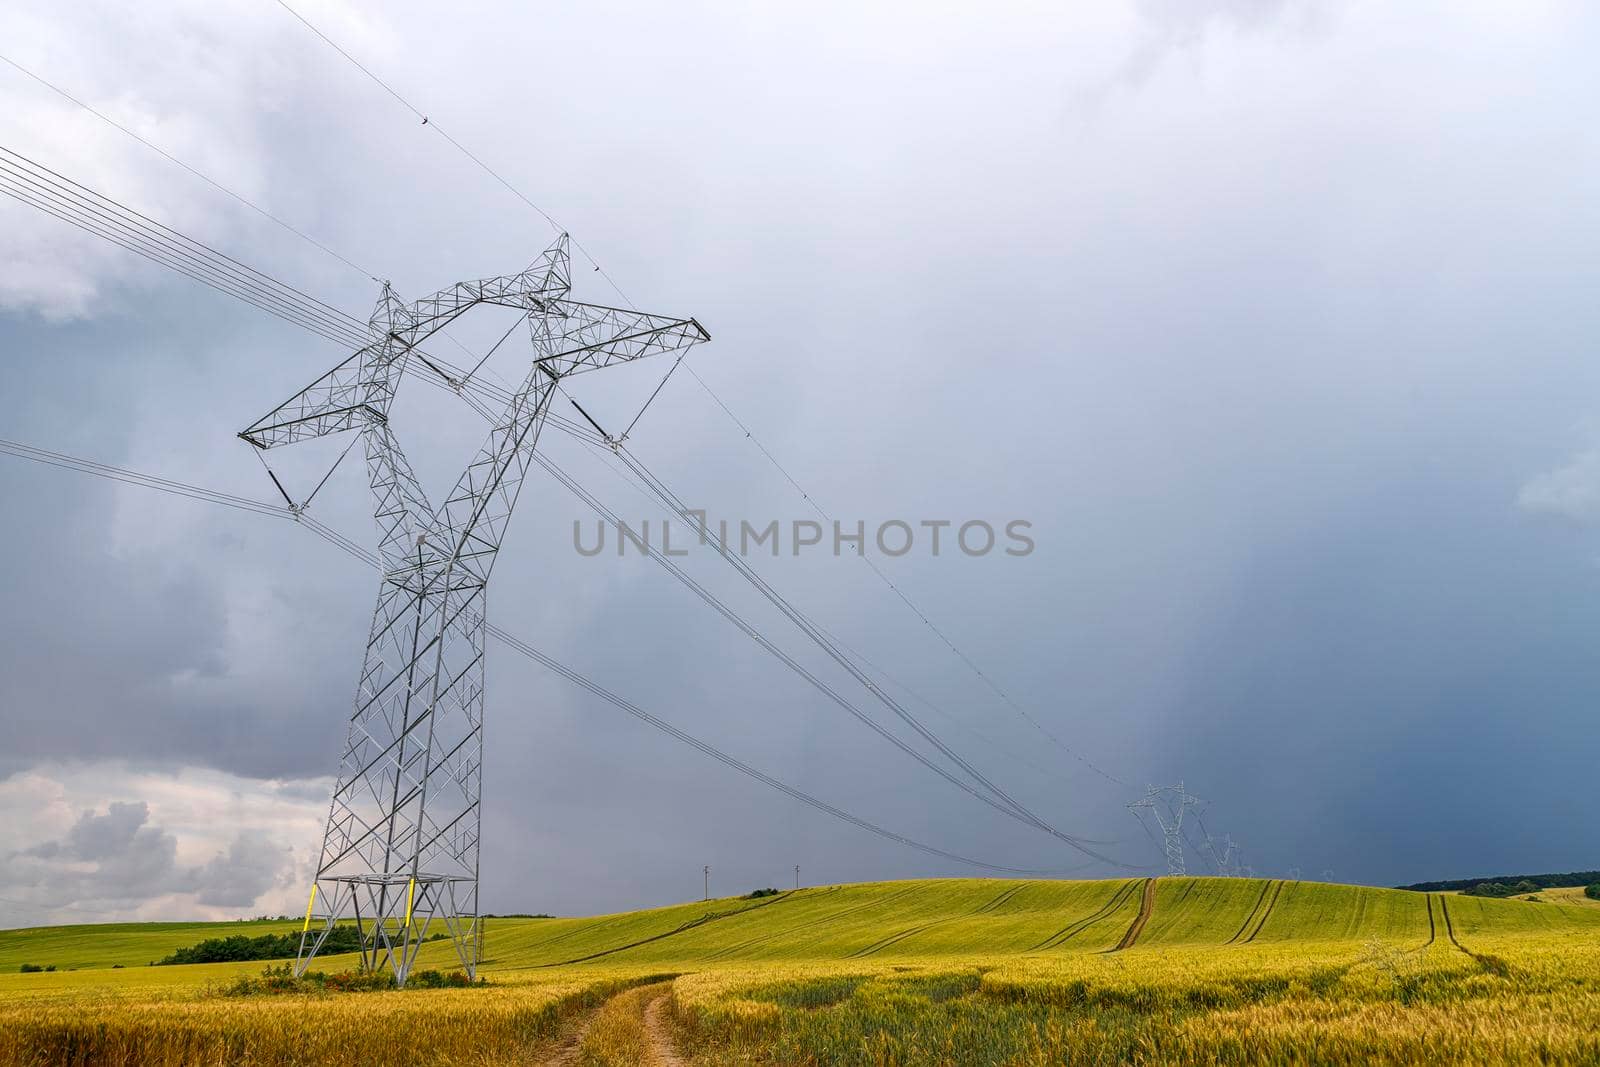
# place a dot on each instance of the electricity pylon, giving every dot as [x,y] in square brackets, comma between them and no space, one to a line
[402,840]
[1168,804]
[1228,863]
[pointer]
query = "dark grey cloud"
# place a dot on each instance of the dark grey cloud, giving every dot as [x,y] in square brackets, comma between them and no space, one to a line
[1284,349]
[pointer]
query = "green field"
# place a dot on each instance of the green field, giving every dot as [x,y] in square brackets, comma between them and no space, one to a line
[882,920]
[1178,970]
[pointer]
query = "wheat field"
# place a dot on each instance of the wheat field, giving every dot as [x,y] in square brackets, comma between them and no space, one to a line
[947,971]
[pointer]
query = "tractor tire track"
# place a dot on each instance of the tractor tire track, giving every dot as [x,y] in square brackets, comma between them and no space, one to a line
[694,924]
[819,921]
[1077,926]
[895,939]
[1002,900]
[1147,907]
[884,942]
[1266,887]
[1449,927]
[579,931]
[1266,913]
[1492,964]
[1433,930]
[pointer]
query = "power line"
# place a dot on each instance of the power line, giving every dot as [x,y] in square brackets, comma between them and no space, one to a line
[252,205]
[748,433]
[906,599]
[344,544]
[436,128]
[893,587]
[718,605]
[32,183]
[820,638]
[603,448]
[986,791]
[203,263]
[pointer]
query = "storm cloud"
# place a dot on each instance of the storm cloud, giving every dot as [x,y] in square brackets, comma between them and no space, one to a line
[1275,320]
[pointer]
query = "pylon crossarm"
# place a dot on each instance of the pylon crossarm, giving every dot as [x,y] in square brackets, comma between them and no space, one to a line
[593,336]
[331,404]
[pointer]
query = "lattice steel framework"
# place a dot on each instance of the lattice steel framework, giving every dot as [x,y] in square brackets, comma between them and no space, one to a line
[1228,861]
[401,847]
[1168,804]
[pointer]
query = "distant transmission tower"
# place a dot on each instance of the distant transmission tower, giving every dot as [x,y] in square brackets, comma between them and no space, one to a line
[1229,864]
[401,845]
[1168,804]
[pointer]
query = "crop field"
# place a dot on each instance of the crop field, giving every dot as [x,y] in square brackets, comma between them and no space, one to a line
[1566,895]
[1199,970]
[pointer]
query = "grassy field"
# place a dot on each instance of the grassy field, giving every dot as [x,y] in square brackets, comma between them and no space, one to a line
[1566,895]
[109,944]
[952,971]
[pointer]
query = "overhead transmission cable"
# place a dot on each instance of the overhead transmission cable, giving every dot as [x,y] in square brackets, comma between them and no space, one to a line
[990,793]
[908,602]
[81,206]
[599,445]
[124,475]
[748,433]
[997,797]
[971,664]
[436,128]
[252,205]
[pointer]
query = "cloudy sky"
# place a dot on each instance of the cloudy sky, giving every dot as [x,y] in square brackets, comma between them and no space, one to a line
[1274,318]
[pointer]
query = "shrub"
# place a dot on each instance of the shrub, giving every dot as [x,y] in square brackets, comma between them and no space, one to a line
[281,979]
[30,968]
[358,981]
[239,948]
[1592,891]
[435,980]
[767,892]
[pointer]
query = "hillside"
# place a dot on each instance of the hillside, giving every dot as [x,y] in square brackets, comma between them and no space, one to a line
[902,920]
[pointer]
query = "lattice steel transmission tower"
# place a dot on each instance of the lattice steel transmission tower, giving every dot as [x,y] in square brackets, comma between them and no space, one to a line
[402,841]
[1168,804]
[1229,864]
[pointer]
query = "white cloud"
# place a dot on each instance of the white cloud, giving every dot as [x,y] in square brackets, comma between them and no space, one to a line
[1569,492]
[103,841]
[223,78]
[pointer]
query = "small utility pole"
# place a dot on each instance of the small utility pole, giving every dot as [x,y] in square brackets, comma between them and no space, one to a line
[797,876]
[707,872]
